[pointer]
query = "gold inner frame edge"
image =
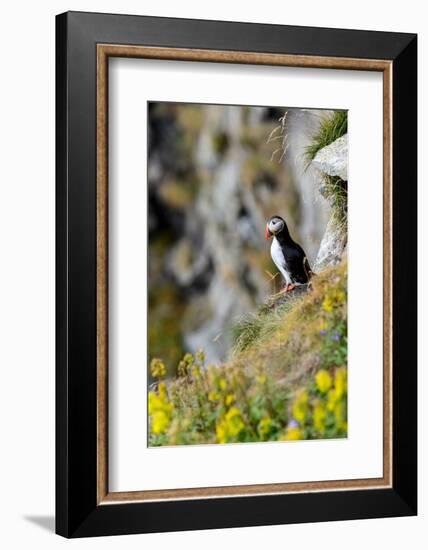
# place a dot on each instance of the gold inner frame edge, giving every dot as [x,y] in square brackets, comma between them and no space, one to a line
[104,51]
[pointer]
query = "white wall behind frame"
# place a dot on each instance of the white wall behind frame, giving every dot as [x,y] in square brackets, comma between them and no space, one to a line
[27,239]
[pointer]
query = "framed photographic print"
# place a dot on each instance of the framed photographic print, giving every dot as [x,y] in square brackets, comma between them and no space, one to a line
[236,288]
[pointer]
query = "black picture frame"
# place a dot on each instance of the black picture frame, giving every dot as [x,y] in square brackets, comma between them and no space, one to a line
[77,512]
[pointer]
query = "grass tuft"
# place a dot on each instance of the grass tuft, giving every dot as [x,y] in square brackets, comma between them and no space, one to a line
[332,127]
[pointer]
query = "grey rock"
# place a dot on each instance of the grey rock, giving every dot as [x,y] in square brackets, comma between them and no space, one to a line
[332,246]
[333,159]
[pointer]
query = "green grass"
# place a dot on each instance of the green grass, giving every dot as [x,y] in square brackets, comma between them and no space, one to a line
[258,325]
[331,127]
[335,190]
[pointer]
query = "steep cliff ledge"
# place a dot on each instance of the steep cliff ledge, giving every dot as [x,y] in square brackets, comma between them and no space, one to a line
[287,358]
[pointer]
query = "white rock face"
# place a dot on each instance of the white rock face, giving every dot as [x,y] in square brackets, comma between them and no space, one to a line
[333,159]
[331,248]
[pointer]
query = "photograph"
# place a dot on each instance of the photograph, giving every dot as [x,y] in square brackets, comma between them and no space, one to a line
[247,273]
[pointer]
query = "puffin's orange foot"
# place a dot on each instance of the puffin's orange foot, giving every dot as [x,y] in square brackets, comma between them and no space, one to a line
[287,288]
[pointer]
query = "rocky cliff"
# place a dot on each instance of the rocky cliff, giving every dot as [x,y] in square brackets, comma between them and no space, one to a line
[216,173]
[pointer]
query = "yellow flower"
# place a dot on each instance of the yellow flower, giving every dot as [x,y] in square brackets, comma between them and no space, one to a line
[160,422]
[331,400]
[323,380]
[340,296]
[230,426]
[300,406]
[328,304]
[162,390]
[222,383]
[292,434]
[182,368]
[188,358]
[200,356]
[160,410]
[157,368]
[221,432]
[261,379]
[213,396]
[230,398]
[264,426]
[235,422]
[340,414]
[320,416]
[196,371]
[341,382]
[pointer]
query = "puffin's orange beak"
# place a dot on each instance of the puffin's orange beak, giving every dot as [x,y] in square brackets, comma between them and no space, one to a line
[268,234]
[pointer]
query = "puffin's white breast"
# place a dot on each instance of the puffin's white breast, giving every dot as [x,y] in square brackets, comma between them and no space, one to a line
[279,260]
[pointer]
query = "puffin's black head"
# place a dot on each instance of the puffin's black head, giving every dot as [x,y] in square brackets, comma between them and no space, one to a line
[274,226]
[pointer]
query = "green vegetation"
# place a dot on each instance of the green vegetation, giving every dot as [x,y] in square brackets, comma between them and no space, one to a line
[334,189]
[331,127]
[165,304]
[287,378]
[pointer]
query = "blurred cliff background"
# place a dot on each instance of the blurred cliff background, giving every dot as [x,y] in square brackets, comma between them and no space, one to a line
[216,174]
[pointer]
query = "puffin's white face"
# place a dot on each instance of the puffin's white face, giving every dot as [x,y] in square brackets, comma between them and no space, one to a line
[274,226]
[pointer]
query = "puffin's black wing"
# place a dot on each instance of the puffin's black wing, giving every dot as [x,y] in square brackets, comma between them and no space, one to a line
[298,264]
[307,268]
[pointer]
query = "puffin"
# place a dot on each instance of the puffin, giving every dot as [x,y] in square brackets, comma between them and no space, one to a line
[288,256]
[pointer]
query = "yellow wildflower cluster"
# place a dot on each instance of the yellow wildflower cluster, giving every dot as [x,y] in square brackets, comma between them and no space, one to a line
[265,426]
[323,412]
[191,365]
[323,380]
[214,405]
[213,396]
[333,299]
[293,433]
[185,365]
[160,410]
[232,407]
[229,426]
[157,368]
[300,406]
